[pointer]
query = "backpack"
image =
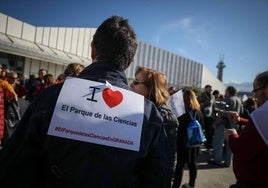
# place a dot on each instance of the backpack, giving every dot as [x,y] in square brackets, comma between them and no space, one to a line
[169,119]
[195,136]
[12,114]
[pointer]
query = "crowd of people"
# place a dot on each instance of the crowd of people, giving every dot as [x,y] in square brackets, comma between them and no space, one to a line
[30,157]
[17,93]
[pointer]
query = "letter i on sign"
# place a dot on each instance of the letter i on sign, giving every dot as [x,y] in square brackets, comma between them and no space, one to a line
[93,94]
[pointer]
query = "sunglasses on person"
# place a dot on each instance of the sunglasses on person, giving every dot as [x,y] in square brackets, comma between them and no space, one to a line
[257,89]
[137,82]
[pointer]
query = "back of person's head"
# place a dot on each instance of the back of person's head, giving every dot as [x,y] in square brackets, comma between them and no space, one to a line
[60,78]
[73,69]
[250,103]
[215,92]
[190,100]
[172,90]
[48,79]
[156,84]
[231,90]
[115,41]
[32,76]
[221,97]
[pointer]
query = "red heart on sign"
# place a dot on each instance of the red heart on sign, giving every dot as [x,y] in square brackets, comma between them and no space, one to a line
[112,98]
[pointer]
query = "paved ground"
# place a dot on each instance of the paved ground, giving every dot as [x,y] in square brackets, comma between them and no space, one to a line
[210,176]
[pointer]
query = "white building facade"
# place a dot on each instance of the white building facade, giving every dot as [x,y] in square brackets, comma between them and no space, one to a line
[26,48]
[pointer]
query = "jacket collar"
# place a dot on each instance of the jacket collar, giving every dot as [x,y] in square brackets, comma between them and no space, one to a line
[103,71]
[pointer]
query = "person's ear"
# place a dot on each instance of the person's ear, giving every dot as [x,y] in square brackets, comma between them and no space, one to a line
[93,52]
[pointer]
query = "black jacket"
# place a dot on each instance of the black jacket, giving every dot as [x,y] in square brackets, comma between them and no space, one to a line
[171,125]
[34,159]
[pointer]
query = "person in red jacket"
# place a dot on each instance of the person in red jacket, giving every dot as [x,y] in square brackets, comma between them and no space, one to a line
[17,91]
[4,87]
[250,147]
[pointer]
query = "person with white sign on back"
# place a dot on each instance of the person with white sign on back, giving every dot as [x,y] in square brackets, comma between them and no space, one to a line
[86,132]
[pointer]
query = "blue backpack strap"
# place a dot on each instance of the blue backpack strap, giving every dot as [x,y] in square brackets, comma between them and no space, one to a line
[195,113]
[190,113]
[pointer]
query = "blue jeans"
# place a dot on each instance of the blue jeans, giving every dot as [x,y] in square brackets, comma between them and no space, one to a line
[218,140]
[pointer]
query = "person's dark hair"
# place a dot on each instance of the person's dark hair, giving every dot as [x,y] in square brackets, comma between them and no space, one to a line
[262,79]
[42,69]
[48,79]
[32,76]
[250,104]
[172,90]
[231,90]
[115,41]
[215,92]
[73,69]
[207,86]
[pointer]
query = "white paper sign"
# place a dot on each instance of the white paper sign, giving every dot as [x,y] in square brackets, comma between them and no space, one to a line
[92,112]
[177,104]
